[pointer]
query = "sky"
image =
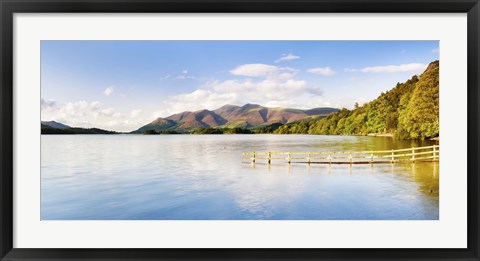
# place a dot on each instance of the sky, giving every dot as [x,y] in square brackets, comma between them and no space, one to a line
[123,85]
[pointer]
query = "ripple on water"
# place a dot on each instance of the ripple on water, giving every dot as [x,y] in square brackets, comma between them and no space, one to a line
[191,177]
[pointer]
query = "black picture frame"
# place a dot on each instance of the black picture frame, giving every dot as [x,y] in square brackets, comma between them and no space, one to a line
[10,7]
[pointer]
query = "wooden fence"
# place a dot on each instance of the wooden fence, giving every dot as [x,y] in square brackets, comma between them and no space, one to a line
[428,153]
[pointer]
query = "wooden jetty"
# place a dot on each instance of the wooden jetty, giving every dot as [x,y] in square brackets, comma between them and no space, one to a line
[410,155]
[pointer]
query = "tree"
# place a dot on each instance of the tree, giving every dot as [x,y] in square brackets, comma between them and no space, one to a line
[356,105]
[420,118]
[410,110]
[150,132]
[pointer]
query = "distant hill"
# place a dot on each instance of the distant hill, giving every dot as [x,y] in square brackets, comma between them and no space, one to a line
[247,116]
[409,111]
[55,124]
[52,127]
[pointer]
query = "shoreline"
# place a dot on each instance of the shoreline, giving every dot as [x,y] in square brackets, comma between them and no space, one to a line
[388,135]
[380,135]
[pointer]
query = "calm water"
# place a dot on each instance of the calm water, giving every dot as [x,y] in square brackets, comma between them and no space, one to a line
[193,177]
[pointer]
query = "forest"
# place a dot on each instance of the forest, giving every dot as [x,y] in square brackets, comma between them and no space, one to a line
[408,111]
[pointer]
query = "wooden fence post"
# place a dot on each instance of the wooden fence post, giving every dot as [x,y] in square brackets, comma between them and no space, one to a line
[363,156]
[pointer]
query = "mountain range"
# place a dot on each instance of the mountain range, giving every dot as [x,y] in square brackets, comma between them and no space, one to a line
[53,127]
[231,116]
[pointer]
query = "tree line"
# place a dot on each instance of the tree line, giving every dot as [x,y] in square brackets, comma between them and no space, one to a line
[409,111]
[259,130]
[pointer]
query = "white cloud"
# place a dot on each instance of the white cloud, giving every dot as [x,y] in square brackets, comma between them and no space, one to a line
[287,57]
[91,114]
[109,112]
[411,67]
[269,92]
[325,71]
[196,100]
[135,113]
[108,90]
[185,75]
[255,70]
[436,50]
[265,71]
[273,86]
[165,77]
[47,104]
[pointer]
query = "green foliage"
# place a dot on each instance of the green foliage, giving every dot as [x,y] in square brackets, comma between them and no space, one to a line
[410,110]
[221,131]
[206,131]
[294,128]
[150,132]
[237,131]
[419,119]
[45,129]
[267,129]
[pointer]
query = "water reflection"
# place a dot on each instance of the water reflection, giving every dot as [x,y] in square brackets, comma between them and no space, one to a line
[203,177]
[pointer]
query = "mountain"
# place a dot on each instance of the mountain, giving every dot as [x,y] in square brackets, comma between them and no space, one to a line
[198,119]
[409,110]
[231,116]
[159,124]
[52,127]
[226,110]
[55,125]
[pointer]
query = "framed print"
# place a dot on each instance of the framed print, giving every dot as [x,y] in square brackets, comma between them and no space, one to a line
[239,130]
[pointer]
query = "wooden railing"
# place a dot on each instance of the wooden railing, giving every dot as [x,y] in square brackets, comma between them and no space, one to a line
[428,153]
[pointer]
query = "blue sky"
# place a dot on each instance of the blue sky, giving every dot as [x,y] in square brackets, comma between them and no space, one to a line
[122,85]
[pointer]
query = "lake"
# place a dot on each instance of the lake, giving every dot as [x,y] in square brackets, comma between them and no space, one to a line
[202,177]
